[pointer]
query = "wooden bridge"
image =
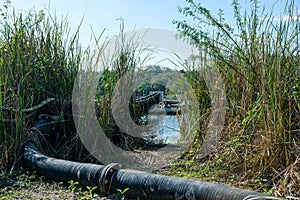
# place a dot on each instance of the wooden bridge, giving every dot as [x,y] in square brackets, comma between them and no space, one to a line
[143,104]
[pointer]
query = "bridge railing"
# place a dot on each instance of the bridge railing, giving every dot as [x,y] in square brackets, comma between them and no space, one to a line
[147,98]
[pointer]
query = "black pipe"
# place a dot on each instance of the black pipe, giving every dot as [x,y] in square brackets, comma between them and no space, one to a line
[141,184]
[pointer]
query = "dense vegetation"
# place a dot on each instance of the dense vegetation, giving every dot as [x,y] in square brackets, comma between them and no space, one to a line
[258,60]
[39,59]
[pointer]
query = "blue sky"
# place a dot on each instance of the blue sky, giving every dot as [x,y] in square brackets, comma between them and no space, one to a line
[103,14]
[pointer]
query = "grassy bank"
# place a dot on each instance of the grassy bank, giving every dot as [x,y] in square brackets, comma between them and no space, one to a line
[259,61]
[31,186]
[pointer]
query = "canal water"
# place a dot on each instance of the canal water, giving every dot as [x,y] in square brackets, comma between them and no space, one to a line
[165,128]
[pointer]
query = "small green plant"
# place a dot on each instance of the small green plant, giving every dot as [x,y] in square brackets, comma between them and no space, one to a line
[122,192]
[91,190]
[73,186]
[84,194]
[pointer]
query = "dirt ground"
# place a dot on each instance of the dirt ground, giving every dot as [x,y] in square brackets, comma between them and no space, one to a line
[30,186]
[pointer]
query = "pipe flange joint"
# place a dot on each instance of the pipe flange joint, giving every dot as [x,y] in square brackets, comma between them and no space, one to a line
[106,177]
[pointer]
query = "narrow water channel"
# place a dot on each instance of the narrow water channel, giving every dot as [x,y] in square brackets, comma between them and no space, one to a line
[165,128]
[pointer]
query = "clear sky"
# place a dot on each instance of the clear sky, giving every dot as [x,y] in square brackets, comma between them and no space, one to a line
[103,14]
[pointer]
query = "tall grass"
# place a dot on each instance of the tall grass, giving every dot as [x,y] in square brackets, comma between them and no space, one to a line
[38,60]
[126,58]
[259,61]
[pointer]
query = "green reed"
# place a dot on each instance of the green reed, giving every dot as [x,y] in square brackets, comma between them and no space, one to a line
[259,61]
[39,59]
[128,56]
